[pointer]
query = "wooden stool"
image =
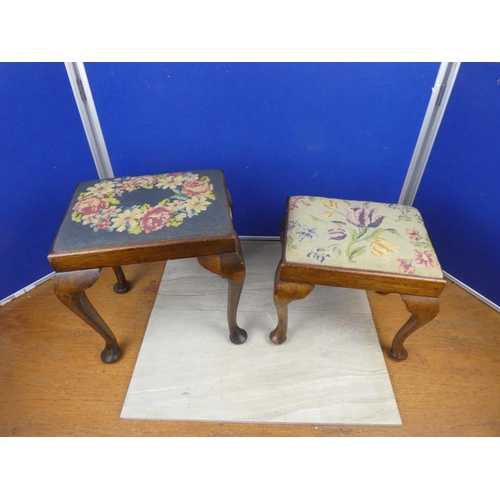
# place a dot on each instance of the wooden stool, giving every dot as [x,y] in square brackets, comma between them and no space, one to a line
[354,244]
[129,220]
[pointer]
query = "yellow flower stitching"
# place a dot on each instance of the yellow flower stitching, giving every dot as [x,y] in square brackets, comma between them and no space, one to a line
[330,204]
[383,248]
[197,204]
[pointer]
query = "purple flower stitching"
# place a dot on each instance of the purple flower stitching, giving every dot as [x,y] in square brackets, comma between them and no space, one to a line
[363,217]
[425,259]
[336,234]
[405,266]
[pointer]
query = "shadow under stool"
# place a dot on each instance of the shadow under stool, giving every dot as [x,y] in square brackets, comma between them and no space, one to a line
[357,244]
[148,218]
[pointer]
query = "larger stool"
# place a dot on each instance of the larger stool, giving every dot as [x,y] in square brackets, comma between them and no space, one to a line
[357,244]
[130,220]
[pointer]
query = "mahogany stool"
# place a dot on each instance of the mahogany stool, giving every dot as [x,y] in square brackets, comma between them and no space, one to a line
[356,244]
[130,220]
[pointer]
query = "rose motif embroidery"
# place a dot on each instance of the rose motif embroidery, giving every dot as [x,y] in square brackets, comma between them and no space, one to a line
[198,188]
[91,205]
[154,219]
[99,206]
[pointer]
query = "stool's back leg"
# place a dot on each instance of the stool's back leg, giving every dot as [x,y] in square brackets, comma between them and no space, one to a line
[284,293]
[70,290]
[423,310]
[121,285]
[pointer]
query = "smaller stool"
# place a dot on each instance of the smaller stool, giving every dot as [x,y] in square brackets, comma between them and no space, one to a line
[357,244]
[148,218]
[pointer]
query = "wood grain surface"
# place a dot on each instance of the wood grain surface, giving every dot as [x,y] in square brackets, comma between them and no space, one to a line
[52,382]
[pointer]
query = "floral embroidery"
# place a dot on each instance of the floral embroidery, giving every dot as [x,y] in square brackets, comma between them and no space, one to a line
[382,248]
[296,201]
[405,266]
[362,217]
[294,224]
[319,254]
[366,220]
[98,206]
[307,233]
[337,234]
[425,259]
[330,204]
[360,235]
[413,234]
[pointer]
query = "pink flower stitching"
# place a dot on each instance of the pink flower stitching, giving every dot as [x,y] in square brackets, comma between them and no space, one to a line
[295,200]
[405,266]
[91,205]
[425,259]
[191,188]
[154,218]
[144,180]
[413,234]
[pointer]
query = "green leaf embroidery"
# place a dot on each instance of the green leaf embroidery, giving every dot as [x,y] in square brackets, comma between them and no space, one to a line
[76,217]
[173,223]
[362,232]
[143,209]
[205,178]
[136,229]
[421,244]
[356,253]
[164,202]
[211,196]
[353,233]
[113,201]
[375,233]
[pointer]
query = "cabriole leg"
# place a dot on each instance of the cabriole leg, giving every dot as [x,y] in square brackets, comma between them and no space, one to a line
[70,290]
[232,267]
[423,310]
[284,293]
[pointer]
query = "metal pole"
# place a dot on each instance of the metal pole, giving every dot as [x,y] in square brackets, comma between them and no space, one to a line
[435,110]
[88,113]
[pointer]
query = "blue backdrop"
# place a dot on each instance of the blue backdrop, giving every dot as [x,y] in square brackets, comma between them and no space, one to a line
[43,154]
[458,195]
[277,129]
[334,129]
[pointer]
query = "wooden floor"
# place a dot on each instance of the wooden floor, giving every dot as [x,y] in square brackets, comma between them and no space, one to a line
[52,382]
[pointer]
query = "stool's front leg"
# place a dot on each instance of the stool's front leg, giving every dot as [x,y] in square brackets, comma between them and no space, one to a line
[70,290]
[232,267]
[423,310]
[284,293]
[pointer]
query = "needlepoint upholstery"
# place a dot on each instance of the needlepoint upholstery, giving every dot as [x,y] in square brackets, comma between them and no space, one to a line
[148,218]
[143,209]
[359,235]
